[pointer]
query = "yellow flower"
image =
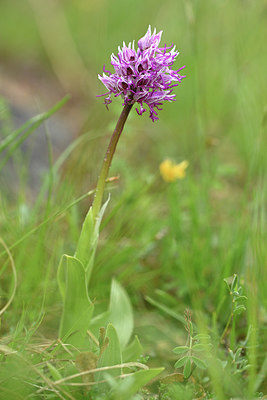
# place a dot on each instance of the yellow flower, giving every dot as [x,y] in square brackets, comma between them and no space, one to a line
[170,171]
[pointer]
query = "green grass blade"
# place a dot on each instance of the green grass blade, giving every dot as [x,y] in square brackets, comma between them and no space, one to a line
[15,140]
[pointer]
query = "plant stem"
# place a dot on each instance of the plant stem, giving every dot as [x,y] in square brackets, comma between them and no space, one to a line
[99,192]
[227,324]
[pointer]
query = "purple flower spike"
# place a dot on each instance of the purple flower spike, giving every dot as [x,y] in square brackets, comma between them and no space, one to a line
[143,76]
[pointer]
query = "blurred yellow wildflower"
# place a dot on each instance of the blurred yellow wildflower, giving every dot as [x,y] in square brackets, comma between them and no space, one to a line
[170,171]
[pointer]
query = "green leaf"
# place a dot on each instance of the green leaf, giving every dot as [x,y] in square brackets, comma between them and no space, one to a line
[166,297]
[180,363]
[187,368]
[111,355]
[199,363]
[53,371]
[121,313]
[100,320]
[191,329]
[131,384]
[226,281]
[77,307]
[166,309]
[236,294]
[61,279]
[88,240]
[202,336]
[238,352]
[241,298]
[180,349]
[14,141]
[239,309]
[199,347]
[133,351]
[234,283]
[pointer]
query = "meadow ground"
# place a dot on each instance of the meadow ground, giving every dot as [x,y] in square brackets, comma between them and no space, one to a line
[189,256]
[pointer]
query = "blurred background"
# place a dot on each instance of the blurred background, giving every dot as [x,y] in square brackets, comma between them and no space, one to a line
[55,47]
[183,240]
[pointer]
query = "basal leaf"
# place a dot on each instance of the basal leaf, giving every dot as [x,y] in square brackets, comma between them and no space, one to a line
[98,321]
[87,243]
[88,240]
[77,307]
[131,384]
[111,355]
[121,313]
[133,351]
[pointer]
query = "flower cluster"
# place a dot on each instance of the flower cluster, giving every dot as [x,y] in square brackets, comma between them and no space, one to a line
[171,172]
[143,76]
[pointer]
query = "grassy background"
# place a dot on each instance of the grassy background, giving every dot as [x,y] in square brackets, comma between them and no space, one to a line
[172,243]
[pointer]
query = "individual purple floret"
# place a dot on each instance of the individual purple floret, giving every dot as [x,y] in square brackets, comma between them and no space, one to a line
[143,76]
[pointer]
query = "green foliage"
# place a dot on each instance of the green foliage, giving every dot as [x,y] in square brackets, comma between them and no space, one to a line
[197,345]
[133,351]
[73,278]
[121,312]
[236,294]
[227,357]
[112,353]
[169,246]
[77,308]
[14,139]
[130,385]
[88,240]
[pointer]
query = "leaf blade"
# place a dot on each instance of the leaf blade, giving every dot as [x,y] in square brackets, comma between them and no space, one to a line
[121,312]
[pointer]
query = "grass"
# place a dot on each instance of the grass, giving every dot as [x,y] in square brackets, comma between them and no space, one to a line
[175,247]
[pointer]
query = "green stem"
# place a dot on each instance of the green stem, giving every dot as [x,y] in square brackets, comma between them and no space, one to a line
[227,324]
[99,192]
